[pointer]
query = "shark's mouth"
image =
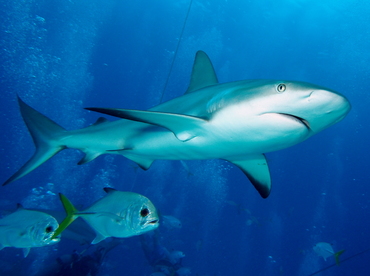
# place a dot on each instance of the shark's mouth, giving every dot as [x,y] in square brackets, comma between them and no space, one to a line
[297,119]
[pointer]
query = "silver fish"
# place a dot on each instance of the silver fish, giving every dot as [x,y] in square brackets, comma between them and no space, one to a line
[118,214]
[26,229]
[325,250]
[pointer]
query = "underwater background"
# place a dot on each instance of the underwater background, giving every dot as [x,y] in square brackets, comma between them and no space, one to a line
[62,56]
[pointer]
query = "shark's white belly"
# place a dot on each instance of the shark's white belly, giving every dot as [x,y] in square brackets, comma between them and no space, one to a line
[225,140]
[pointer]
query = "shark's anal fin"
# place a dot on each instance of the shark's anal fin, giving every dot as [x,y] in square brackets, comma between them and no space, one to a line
[185,127]
[257,171]
[203,73]
[89,156]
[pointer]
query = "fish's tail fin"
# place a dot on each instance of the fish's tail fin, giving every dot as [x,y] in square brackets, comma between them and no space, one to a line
[46,135]
[336,256]
[71,215]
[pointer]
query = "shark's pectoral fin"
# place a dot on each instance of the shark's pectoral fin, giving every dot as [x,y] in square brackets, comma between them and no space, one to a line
[257,171]
[185,127]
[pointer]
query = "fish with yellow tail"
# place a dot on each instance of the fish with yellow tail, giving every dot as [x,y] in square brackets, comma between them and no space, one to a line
[118,214]
[325,250]
[26,229]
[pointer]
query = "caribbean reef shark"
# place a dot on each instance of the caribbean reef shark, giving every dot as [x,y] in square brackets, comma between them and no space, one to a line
[236,121]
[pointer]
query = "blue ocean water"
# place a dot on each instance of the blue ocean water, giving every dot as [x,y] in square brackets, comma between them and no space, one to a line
[62,56]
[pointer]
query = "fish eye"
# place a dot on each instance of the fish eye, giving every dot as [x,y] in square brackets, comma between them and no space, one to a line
[281,87]
[144,212]
[49,229]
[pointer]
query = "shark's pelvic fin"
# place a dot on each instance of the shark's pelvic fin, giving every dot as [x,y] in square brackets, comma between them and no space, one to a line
[203,73]
[45,134]
[257,171]
[185,127]
[142,162]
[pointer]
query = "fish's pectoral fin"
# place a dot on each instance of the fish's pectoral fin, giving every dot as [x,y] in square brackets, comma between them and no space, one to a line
[26,251]
[184,127]
[99,237]
[71,215]
[203,73]
[100,120]
[257,171]
[118,219]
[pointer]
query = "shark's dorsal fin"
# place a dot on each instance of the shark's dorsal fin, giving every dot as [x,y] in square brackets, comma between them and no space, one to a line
[109,190]
[100,120]
[257,171]
[185,127]
[203,73]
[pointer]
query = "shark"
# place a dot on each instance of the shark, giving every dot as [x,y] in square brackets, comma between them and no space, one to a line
[237,121]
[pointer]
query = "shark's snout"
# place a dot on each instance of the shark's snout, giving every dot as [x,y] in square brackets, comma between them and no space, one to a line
[329,107]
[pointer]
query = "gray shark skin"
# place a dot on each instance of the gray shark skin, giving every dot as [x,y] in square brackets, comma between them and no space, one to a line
[236,121]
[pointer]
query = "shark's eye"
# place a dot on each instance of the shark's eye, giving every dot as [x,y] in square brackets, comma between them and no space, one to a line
[49,229]
[281,87]
[144,212]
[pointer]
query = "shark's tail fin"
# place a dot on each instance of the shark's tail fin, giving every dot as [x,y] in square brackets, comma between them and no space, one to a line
[71,215]
[336,256]
[46,135]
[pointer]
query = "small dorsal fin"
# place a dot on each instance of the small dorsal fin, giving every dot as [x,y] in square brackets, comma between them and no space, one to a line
[100,120]
[203,73]
[109,190]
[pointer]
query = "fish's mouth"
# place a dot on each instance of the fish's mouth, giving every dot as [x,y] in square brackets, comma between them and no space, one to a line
[297,119]
[153,221]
